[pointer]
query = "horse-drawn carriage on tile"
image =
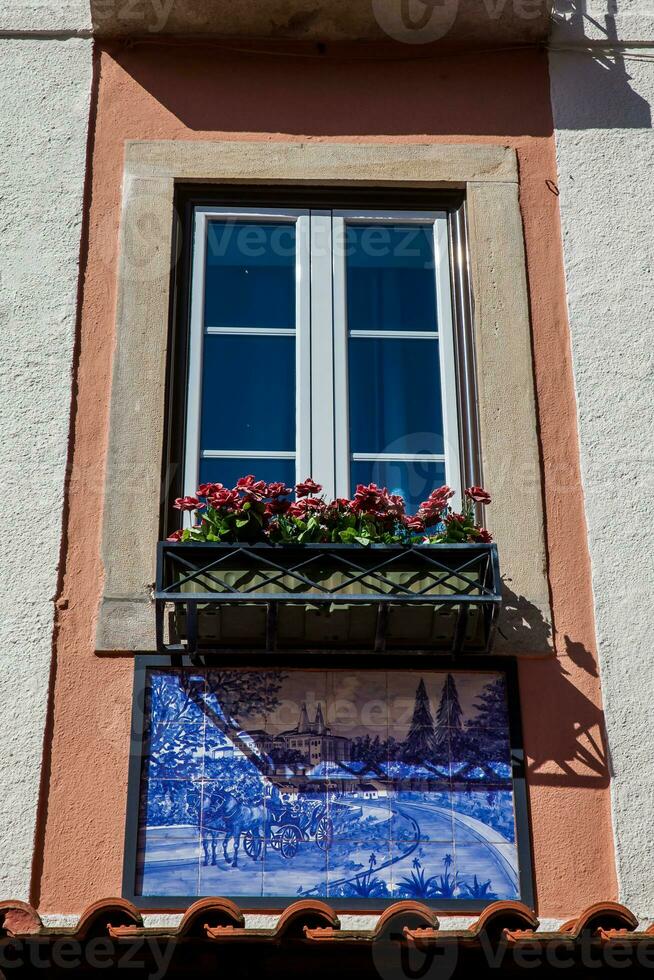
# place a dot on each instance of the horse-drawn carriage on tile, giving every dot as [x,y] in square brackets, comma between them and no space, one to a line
[297,822]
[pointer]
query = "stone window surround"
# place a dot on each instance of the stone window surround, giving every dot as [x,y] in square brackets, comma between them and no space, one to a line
[507,412]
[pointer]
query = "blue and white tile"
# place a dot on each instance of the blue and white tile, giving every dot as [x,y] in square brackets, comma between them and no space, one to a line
[421,816]
[403,694]
[175,697]
[169,861]
[487,871]
[362,813]
[425,871]
[357,710]
[222,878]
[482,698]
[481,816]
[360,870]
[237,700]
[295,868]
[171,803]
[174,751]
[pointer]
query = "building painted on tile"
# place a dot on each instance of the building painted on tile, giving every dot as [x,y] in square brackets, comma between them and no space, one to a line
[378,243]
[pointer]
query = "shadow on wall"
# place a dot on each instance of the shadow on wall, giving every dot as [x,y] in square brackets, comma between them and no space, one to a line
[591,87]
[387,90]
[564,730]
[566,739]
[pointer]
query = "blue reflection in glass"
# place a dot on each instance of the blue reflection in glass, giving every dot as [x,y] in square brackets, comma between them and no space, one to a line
[414,481]
[395,396]
[228,471]
[248,393]
[390,277]
[250,274]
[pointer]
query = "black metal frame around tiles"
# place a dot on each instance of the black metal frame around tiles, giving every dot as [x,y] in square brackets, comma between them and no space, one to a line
[321,661]
[189,564]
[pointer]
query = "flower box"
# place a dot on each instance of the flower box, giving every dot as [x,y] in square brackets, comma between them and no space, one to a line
[224,596]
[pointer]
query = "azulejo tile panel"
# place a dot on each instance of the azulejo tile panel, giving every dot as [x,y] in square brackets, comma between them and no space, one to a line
[355,785]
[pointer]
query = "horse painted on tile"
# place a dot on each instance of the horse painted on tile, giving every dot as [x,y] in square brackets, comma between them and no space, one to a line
[222,812]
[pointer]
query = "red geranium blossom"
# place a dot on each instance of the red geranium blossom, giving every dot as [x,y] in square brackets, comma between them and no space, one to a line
[175,536]
[484,535]
[254,489]
[188,503]
[478,495]
[205,489]
[307,487]
[223,498]
[368,498]
[306,506]
[414,523]
[277,506]
[278,490]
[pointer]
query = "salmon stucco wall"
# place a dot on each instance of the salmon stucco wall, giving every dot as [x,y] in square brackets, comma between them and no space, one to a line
[173,91]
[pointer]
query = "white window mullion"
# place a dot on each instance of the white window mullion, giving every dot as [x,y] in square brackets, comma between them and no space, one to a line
[196,343]
[303,427]
[322,353]
[341,375]
[447,358]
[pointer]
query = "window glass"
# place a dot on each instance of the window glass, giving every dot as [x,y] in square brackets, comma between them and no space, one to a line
[412,480]
[250,275]
[395,396]
[248,377]
[227,471]
[390,277]
[248,393]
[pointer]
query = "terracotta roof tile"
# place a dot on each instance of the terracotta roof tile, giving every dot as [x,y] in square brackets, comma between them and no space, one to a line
[220,920]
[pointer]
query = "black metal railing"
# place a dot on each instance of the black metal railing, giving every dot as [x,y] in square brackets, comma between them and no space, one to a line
[225,596]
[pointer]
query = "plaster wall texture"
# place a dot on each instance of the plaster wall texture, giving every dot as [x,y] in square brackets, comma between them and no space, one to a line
[44,110]
[602,107]
[45,16]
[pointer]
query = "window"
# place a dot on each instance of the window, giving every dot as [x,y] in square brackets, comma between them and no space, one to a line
[414,789]
[321,343]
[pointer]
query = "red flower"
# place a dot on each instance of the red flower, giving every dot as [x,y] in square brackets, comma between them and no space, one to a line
[306,506]
[368,498]
[278,490]
[188,503]
[175,536]
[484,535]
[478,495]
[441,496]
[414,523]
[307,487]
[205,489]
[277,506]
[254,489]
[223,498]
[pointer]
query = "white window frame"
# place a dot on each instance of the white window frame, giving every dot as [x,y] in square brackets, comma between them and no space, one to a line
[321,335]
[444,335]
[302,453]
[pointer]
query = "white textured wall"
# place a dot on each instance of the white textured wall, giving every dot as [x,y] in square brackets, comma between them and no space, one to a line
[603,105]
[44,109]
